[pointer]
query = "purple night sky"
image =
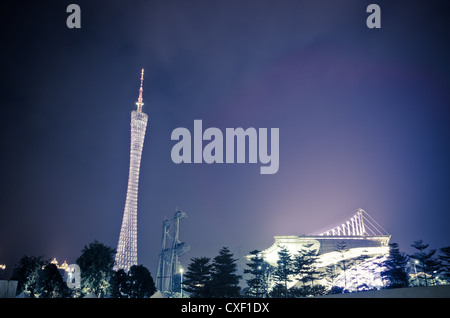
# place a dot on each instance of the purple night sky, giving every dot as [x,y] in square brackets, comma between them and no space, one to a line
[363,116]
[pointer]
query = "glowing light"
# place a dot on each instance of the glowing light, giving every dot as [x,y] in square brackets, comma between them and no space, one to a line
[368,243]
[127,247]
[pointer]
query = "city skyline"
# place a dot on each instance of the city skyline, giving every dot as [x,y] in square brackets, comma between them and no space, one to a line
[362,116]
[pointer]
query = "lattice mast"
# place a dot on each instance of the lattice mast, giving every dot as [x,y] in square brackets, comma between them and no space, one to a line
[163,263]
[169,265]
[126,255]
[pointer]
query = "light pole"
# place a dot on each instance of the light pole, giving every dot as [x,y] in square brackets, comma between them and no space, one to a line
[2,269]
[415,270]
[181,283]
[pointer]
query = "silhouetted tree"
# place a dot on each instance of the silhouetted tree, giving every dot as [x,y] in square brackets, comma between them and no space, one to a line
[279,291]
[337,290]
[445,263]
[427,265]
[282,273]
[197,279]
[259,269]
[345,262]
[141,284]
[119,287]
[50,283]
[96,265]
[26,273]
[305,265]
[224,280]
[395,268]
[331,274]
[361,269]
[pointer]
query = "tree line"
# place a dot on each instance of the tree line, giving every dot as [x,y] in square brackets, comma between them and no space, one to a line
[297,275]
[38,278]
[300,275]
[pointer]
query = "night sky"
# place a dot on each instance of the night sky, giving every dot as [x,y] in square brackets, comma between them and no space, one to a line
[363,116]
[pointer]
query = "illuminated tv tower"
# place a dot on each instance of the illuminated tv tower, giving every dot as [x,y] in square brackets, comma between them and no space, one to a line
[126,255]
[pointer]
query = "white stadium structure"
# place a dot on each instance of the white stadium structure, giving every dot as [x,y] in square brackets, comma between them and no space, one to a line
[357,240]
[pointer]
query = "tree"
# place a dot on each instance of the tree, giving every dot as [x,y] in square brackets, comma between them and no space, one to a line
[50,283]
[96,264]
[395,268]
[141,284]
[197,279]
[331,274]
[119,287]
[137,283]
[26,273]
[361,270]
[300,266]
[427,265]
[224,280]
[337,290]
[279,291]
[258,284]
[282,273]
[445,262]
[345,263]
[305,267]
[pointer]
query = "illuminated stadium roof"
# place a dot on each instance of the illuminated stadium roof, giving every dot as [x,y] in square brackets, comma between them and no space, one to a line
[359,233]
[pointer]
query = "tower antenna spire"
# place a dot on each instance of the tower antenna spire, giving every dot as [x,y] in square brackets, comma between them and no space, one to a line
[140,102]
[126,255]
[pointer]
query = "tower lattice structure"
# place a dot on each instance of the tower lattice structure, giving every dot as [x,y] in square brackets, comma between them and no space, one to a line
[169,266]
[126,255]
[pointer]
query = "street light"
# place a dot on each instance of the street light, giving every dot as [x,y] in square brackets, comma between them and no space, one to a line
[181,283]
[2,268]
[415,270]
